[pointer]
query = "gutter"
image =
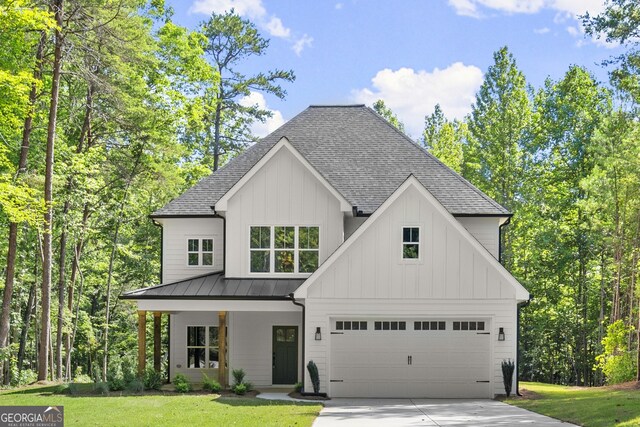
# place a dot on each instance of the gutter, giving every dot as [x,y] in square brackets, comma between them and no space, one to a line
[521,305]
[303,334]
[224,238]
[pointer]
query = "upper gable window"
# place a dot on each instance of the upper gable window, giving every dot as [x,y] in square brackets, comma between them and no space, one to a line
[200,252]
[284,249]
[410,242]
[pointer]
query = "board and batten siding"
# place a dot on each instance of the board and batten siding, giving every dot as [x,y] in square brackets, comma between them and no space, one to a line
[176,232]
[321,313]
[486,230]
[282,192]
[178,344]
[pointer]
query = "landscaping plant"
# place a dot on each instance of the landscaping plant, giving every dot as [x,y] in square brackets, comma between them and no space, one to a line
[152,379]
[507,375]
[181,383]
[210,384]
[315,376]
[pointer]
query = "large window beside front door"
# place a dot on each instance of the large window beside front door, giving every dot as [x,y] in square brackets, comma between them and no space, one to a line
[284,249]
[202,347]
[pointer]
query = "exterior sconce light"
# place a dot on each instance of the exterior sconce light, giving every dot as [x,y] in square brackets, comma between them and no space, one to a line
[318,334]
[500,334]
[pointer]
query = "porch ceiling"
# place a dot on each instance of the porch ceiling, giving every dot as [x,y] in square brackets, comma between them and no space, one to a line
[217,286]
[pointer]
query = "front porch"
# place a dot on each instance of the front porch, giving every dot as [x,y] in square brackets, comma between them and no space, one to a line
[217,325]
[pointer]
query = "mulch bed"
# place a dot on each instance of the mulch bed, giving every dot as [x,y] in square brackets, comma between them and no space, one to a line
[297,395]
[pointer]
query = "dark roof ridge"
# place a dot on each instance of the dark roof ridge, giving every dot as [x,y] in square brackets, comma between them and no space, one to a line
[423,149]
[336,106]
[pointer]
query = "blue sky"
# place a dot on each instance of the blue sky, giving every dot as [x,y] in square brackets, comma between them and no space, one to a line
[411,53]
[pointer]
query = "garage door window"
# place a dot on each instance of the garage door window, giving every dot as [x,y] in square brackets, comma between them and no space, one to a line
[390,325]
[468,326]
[351,325]
[432,325]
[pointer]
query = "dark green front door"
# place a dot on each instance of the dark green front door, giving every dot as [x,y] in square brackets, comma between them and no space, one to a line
[285,355]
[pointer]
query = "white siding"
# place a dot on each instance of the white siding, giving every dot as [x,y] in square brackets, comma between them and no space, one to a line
[351,224]
[502,313]
[485,230]
[251,342]
[176,232]
[282,192]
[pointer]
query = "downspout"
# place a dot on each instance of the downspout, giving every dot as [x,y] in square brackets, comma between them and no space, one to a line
[303,334]
[224,238]
[157,224]
[521,305]
[507,222]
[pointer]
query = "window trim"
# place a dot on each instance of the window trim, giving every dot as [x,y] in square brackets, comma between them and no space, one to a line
[200,252]
[419,243]
[272,250]
[207,347]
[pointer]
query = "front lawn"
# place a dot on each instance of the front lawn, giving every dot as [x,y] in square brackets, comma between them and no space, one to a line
[586,406]
[166,409]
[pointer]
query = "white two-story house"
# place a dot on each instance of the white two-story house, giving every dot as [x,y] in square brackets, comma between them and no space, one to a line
[336,239]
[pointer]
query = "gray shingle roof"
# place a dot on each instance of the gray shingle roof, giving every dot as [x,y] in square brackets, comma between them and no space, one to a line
[216,286]
[361,155]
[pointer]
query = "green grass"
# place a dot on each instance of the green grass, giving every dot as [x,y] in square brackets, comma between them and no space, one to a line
[586,406]
[166,409]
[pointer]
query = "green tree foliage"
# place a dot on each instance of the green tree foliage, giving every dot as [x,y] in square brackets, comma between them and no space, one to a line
[616,361]
[385,112]
[445,139]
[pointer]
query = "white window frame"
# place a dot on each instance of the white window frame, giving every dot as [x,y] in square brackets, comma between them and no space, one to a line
[200,251]
[207,347]
[272,250]
[419,243]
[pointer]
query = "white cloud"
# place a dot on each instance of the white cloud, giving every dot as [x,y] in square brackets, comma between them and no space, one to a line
[339,6]
[250,8]
[272,123]
[573,31]
[301,43]
[474,8]
[276,29]
[413,94]
[543,30]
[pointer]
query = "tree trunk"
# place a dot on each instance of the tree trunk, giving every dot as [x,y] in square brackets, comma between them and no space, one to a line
[45,329]
[26,320]
[5,317]
[216,135]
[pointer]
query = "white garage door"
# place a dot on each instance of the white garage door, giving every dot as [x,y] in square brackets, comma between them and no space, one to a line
[434,358]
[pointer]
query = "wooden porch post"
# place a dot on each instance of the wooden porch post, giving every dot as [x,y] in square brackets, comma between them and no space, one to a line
[142,341]
[157,342]
[222,347]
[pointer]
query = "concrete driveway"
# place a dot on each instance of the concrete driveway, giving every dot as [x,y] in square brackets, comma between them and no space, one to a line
[428,412]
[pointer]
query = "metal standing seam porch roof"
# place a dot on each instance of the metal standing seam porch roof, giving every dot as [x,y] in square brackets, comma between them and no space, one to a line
[216,286]
[358,152]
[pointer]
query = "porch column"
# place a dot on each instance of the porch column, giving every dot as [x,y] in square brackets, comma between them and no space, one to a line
[142,341]
[222,347]
[157,344]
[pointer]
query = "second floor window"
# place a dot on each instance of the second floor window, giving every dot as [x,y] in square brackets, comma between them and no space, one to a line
[284,249]
[410,242]
[200,252]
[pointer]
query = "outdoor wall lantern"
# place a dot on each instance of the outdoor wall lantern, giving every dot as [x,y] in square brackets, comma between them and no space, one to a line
[318,334]
[500,334]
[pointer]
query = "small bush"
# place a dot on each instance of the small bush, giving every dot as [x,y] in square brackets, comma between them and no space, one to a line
[181,383]
[248,385]
[618,363]
[238,376]
[240,389]
[315,377]
[101,388]
[117,384]
[298,387]
[24,377]
[136,385]
[210,384]
[152,379]
[507,375]
[73,389]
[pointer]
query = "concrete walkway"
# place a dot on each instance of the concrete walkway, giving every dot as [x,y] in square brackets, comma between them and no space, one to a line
[428,412]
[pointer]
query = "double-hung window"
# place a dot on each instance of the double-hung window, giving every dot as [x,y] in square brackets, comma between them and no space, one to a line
[202,347]
[200,252]
[411,243]
[284,249]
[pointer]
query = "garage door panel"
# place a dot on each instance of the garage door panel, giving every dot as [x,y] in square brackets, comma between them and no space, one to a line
[410,363]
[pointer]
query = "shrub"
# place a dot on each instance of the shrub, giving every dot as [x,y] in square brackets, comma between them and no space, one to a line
[136,385]
[152,379]
[101,388]
[238,376]
[315,376]
[210,384]
[117,384]
[298,387]
[73,389]
[616,361]
[26,376]
[248,385]
[240,389]
[181,383]
[507,375]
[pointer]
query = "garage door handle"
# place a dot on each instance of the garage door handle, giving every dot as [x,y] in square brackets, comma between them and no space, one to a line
[409,360]
[483,333]
[337,333]
[483,381]
[336,381]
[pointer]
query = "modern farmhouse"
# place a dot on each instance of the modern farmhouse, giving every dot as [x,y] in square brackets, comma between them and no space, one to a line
[337,239]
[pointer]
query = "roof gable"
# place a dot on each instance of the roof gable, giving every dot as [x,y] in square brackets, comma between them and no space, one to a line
[357,152]
[282,144]
[481,264]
